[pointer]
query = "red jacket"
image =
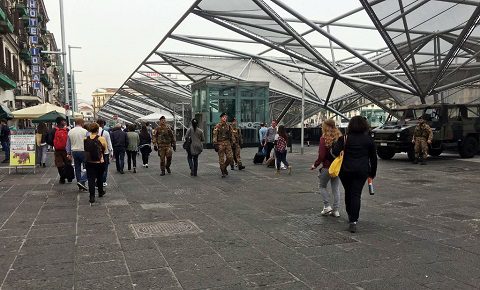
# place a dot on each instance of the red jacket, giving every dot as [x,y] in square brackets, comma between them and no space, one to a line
[324,155]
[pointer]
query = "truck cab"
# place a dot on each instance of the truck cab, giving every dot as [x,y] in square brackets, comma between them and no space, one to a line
[454,126]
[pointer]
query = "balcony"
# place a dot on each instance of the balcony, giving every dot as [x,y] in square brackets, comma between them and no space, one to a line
[7,78]
[22,9]
[6,25]
[26,55]
[45,80]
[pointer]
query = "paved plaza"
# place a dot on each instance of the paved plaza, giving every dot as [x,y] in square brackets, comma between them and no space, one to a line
[253,229]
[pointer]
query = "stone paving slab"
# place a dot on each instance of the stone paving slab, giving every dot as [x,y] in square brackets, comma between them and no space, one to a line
[421,230]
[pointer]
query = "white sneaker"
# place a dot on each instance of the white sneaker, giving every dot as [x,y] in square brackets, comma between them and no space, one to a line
[335,213]
[105,184]
[326,210]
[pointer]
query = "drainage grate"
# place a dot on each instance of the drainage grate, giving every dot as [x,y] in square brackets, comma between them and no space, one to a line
[155,205]
[457,216]
[164,229]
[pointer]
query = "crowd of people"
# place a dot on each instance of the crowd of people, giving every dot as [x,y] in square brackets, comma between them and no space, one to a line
[84,152]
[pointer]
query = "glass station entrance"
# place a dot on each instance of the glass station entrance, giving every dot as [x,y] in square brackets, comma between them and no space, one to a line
[247,101]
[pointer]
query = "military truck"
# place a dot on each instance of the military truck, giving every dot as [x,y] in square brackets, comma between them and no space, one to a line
[455,127]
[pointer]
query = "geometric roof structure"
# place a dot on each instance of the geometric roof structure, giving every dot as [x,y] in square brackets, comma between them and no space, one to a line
[381,51]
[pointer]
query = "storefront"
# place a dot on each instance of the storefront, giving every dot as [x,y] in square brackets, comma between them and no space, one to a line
[247,101]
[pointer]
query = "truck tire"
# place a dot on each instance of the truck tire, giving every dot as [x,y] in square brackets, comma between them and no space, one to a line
[435,152]
[385,153]
[469,147]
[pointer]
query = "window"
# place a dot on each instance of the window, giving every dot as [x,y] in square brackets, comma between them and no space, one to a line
[454,113]
[473,112]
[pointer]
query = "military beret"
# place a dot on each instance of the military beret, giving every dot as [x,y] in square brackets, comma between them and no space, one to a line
[162,117]
[223,114]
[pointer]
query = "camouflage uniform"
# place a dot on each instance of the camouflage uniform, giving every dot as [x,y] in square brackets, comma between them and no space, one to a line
[236,147]
[164,139]
[422,134]
[223,138]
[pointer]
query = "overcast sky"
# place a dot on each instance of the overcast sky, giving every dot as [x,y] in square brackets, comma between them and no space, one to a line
[116,35]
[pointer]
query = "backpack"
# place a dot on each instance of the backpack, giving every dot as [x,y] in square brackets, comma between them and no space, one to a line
[93,149]
[60,139]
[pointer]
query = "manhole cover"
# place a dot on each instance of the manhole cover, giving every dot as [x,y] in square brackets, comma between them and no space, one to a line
[457,216]
[117,202]
[155,205]
[402,204]
[164,229]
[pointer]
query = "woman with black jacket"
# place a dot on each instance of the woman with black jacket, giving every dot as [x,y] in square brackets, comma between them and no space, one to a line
[144,145]
[359,163]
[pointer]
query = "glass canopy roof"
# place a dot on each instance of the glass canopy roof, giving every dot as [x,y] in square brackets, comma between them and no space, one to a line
[381,51]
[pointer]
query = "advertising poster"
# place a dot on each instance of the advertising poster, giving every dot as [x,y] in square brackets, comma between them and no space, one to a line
[22,148]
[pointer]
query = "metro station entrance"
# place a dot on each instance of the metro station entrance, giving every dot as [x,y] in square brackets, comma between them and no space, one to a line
[247,101]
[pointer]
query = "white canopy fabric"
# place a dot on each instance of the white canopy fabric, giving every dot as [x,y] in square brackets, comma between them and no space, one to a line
[154,117]
[36,111]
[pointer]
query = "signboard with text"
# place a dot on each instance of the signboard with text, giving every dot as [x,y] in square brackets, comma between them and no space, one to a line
[22,148]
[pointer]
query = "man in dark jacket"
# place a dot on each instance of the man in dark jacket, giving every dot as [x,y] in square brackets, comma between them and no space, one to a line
[119,144]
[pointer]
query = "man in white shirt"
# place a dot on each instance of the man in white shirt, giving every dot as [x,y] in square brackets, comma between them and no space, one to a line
[75,150]
[108,151]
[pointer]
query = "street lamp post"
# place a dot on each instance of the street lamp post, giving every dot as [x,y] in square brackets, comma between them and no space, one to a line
[183,119]
[64,53]
[303,110]
[74,107]
[74,90]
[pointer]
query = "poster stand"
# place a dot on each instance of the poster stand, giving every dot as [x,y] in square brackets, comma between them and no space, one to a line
[22,150]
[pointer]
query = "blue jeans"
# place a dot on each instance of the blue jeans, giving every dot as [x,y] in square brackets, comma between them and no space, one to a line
[281,157]
[106,159]
[119,158]
[78,160]
[6,148]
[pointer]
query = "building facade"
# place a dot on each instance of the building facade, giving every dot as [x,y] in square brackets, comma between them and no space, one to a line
[100,97]
[27,76]
[87,112]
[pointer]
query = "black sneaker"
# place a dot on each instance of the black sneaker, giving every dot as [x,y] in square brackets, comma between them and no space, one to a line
[352,227]
[101,194]
[62,181]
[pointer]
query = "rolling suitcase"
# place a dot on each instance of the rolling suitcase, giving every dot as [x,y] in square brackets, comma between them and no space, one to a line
[258,159]
[69,172]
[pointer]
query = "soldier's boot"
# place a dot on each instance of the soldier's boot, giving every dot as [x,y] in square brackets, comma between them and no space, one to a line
[423,162]
[240,166]
[168,170]
[232,167]
[163,173]
[415,161]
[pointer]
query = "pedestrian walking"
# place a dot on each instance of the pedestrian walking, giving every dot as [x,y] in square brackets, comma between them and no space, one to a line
[132,149]
[164,142]
[222,142]
[75,151]
[359,163]
[196,137]
[57,137]
[330,134]
[95,147]
[422,137]
[5,139]
[119,144]
[41,142]
[236,147]
[262,133]
[281,140]
[145,145]
[108,154]
[270,138]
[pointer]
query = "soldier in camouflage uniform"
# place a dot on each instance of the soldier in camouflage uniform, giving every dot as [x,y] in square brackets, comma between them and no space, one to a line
[164,141]
[422,136]
[237,145]
[222,141]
